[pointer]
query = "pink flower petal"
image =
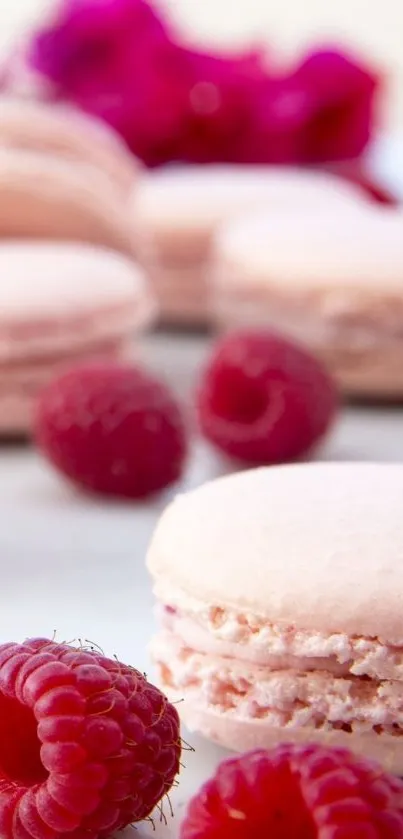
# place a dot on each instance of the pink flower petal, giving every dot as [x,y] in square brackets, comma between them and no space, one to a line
[119,60]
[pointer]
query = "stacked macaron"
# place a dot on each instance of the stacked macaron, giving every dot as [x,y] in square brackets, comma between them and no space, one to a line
[178,210]
[280,603]
[334,283]
[61,304]
[71,135]
[70,290]
[63,176]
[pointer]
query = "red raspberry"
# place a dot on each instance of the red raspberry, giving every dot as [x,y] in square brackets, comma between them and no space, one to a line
[297,792]
[87,745]
[264,400]
[112,429]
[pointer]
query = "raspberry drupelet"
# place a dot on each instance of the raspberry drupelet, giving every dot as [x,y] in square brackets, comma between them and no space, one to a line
[87,745]
[297,792]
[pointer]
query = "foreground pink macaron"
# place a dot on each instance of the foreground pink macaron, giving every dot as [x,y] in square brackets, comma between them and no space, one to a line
[69,134]
[60,305]
[47,197]
[177,210]
[333,282]
[280,604]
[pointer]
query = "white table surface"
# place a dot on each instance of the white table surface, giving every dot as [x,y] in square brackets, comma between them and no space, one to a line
[76,565]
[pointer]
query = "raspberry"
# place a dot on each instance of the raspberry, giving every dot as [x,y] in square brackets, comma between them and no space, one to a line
[262,399]
[112,429]
[87,745]
[297,792]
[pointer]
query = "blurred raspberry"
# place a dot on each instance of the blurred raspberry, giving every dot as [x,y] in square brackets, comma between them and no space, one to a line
[297,792]
[112,429]
[262,399]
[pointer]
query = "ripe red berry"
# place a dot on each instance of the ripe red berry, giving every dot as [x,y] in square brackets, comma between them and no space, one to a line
[297,792]
[87,745]
[262,399]
[112,429]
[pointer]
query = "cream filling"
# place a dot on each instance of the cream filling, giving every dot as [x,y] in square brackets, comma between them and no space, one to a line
[229,634]
[288,699]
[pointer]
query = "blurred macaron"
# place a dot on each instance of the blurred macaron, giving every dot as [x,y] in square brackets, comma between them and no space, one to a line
[177,211]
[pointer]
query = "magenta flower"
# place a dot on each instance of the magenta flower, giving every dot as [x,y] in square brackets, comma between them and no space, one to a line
[119,60]
[343,95]
[91,39]
[220,114]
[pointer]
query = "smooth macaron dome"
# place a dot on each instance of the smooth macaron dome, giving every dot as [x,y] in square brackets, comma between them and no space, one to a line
[57,129]
[192,201]
[47,197]
[333,281]
[327,250]
[61,296]
[62,304]
[280,597]
[177,209]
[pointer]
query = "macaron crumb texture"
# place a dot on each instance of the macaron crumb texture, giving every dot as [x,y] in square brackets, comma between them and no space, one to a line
[279,597]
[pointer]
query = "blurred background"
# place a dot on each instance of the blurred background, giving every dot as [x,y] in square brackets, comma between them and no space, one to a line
[98,249]
[373,28]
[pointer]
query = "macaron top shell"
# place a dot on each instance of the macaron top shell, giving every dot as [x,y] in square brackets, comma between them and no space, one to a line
[310,546]
[202,196]
[58,297]
[361,251]
[49,278]
[69,133]
[50,197]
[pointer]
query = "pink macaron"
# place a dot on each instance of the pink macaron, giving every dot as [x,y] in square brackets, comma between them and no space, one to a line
[62,304]
[333,282]
[69,134]
[48,197]
[280,608]
[177,210]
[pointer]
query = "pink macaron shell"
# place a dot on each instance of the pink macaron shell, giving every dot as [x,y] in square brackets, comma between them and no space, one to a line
[63,304]
[62,297]
[245,735]
[331,282]
[181,293]
[177,211]
[70,134]
[21,383]
[279,607]
[46,197]
[180,205]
